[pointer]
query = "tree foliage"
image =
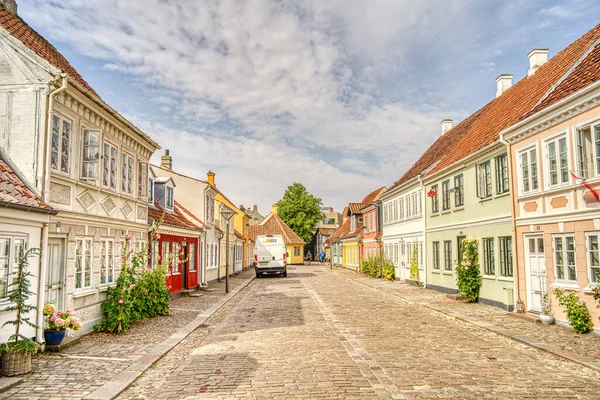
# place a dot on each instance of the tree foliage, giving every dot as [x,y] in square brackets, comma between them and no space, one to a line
[300,210]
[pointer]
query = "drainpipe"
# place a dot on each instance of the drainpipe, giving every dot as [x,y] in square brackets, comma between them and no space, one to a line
[46,186]
[514,224]
[39,330]
[424,237]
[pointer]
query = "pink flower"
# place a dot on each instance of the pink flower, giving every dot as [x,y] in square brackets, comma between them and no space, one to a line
[53,318]
[75,323]
[121,301]
[60,313]
[127,238]
[132,286]
[145,292]
[71,313]
[158,235]
[59,323]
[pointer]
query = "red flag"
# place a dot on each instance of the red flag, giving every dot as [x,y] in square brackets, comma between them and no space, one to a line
[587,185]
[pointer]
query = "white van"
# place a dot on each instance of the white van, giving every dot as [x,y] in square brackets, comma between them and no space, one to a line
[270,256]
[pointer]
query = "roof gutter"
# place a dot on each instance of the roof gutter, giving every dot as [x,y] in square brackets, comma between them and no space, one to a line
[8,204]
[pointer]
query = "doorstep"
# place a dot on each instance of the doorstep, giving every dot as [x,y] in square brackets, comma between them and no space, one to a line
[526,316]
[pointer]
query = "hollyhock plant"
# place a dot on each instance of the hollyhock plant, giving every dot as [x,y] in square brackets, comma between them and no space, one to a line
[60,320]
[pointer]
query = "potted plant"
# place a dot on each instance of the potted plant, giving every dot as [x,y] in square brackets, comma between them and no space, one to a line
[58,323]
[17,351]
[547,315]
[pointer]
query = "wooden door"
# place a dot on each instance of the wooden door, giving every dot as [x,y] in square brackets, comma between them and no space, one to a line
[55,272]
[536,271]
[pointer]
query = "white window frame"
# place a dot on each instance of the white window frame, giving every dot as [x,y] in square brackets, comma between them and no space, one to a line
[166,255]
[111,147]
[176,258]
[11,259]
[555,139]
[85,174]
[564,238]
[150,190]
[169,199]
[485,187]
[143,179]
[593,125]
[59,149]
[488,245]
[501,179]
[127,172]
[590,263]
[107,264]
[435,247]
[87,243]
[528,149]
[446,195]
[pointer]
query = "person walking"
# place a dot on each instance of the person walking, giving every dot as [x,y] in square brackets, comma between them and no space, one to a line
[309,257]
[322,257]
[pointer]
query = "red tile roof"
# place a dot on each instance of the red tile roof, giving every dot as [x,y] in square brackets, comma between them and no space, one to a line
[325,231]
[374,195]
[273,225]
[238,235]
[14,191]
[354,234]
[508,108]
[341,231]
[177,218]
[190,215]
[355,207]
[584,74]
[36,42]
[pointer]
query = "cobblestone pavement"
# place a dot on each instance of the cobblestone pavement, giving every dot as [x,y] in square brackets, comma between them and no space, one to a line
[96,358]
[318,334]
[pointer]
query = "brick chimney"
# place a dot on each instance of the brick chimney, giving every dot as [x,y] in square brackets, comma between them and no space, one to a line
[10,5]
[446,125]
[210,177]
[503,83]
[274,209]
[537,58]
[166,161]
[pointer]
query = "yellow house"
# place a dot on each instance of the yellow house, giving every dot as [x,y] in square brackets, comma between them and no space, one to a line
[273,225]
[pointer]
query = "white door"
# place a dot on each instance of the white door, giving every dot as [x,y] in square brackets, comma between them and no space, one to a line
[54,272]
[536,271]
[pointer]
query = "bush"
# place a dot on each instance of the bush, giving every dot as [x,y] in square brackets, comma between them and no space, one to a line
[577,312]
[414,264]
[140,292]
[468,275]
[370,267]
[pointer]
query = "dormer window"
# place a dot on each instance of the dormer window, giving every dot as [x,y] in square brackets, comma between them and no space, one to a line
[169,202]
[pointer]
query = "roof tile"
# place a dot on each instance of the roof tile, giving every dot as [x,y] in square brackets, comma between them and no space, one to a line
[13,190]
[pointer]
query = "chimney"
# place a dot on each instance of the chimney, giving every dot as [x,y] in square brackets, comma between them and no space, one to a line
[255,208]
[537,57]
[10,5]
[274,209]
[504,82]
[210,176]
[166,161]
[446,125]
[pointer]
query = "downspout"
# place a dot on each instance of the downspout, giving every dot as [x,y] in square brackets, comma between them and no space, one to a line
[39,330]
[514,224]
[423,208]
[47,152]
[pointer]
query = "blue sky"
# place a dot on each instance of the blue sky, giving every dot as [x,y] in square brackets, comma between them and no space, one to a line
[340,95]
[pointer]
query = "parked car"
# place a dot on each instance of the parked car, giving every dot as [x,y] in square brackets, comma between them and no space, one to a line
[270,256]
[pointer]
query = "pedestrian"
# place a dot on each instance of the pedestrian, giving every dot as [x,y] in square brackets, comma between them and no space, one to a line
[322,257]
[309,257]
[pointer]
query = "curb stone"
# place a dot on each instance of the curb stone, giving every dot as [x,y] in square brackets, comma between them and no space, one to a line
[112,389]
[528,340]
[8,382]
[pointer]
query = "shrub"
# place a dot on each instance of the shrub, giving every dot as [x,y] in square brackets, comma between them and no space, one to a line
[371,265]
[577,312]
[140,292]
[414,264]
[468,275]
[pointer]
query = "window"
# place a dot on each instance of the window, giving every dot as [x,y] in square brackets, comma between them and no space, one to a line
[109,166]
[83,263]
[61,144]
[11,250]
[89,163]
[169,202]
[107,259]
[126,173]
[502,174]
[594,257]
[154,254]
[484,180]
[142,179]
[435,205]
[212,255]
[564,257]
[489,266]
[420,203]
[448,255]
[151,191]
[401,211]
[558,166]
[459,191]
[176,257]
[436,255]
[296,250]
[166,257]
[446,195]
[529,172]
[210,208]
[506,261]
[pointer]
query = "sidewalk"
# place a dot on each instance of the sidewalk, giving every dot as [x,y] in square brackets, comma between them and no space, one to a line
[556,339]
[92,365]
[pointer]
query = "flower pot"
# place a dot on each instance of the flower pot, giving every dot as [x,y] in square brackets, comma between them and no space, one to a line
[54,338]
[546,319]
[15,363]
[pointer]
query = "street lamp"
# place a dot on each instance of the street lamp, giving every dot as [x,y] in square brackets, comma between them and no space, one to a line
[227,213]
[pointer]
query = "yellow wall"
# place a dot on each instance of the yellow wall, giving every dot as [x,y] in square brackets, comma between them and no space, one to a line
[351,257]
[239,222]
[292,259]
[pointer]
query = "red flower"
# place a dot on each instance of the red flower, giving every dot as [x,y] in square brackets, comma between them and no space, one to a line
[431,193]
[127,238]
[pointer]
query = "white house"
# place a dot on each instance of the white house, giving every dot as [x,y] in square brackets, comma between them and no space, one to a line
[84,158]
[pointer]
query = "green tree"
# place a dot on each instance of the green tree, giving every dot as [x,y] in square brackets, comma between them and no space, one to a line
[300,210]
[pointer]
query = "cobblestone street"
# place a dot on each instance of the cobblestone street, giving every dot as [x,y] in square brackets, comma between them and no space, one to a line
[323,334]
